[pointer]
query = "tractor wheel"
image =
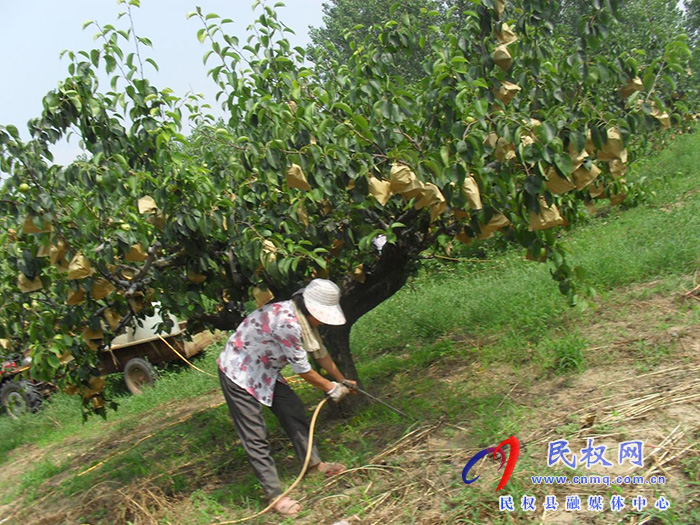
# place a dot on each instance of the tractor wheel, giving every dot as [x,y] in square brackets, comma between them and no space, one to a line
[139,373]
[19,397]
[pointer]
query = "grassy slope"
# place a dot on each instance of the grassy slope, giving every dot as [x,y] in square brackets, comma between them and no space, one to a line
[478,316]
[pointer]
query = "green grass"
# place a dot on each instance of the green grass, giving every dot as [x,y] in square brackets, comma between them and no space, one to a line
[31,480]
[563,353]
[59,417]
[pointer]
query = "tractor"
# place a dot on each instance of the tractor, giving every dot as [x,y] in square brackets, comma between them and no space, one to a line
[18,392]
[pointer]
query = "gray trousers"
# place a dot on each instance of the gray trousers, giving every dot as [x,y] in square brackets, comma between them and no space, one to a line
[246,412]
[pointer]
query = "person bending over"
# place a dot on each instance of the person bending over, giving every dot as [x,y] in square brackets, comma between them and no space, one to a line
[250,368]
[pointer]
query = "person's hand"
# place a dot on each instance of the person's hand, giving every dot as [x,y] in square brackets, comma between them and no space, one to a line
[338,391]
[352,385]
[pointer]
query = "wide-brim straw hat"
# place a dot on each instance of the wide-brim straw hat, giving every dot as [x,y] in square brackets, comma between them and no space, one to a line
[322,300]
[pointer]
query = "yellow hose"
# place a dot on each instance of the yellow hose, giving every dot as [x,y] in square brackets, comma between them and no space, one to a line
[301,474]
[183,358]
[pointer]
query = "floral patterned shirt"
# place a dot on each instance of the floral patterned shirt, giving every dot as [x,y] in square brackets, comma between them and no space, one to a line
[262,345]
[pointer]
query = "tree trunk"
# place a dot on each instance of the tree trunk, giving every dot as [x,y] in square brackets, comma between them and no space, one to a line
[338,342]
[388,275]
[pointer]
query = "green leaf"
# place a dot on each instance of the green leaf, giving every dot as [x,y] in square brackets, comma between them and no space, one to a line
[343,106]
[153,63]
[648,78]
[445,155]
[597,136]
[386,109]
[341,130]
[481,107]
[545,132]
[12,130]
[361,122]
[273,158]
[563,163]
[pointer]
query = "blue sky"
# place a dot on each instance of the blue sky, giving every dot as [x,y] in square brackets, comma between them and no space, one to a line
[34,32]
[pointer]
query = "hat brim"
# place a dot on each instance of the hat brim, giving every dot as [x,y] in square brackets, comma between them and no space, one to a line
[330,315]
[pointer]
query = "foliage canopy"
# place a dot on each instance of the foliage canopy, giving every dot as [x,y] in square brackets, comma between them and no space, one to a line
[506,131]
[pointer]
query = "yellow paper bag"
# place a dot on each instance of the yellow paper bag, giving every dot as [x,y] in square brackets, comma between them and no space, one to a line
[548,217]
[497,222]
[79,267]
[268,254]
[380,190]
[336,246]
[577,157]
[158,220]
[138,302]
[557,184]
[43,251]
[500,6]
[113,319]
[27,286]
[101,288]
[590,147]
[617,168]
[633,85]
[505,152]
[30,227]
[296,178]
[136,254]
[506,35]
[463,238]
[491,140]
[502,57]
[582,177]
[596,189]
[196,278]
[430,195]
[75,297]
[147,205]
[526,140]
[92,338]
[618,199]
[57,252]
[437,209]
[432,198]
[471,191]
[404,182]
[302,214]
[359,274]
[97,402]
[262,297]
[663,118]
[506,92]
[613,148]
[97,383]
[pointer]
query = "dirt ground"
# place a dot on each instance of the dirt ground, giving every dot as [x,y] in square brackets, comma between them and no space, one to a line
[642,382]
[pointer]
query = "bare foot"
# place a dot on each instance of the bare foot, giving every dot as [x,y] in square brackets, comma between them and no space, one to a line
[287,507]
[328,469]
